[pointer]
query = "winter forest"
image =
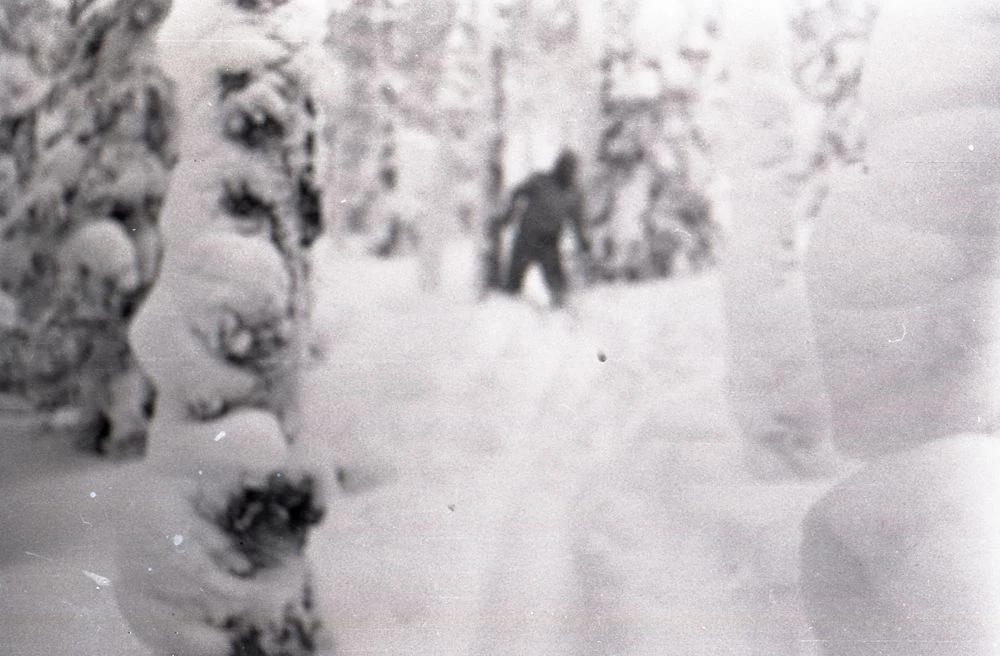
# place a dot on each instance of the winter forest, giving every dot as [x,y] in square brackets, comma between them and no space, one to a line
[488,327]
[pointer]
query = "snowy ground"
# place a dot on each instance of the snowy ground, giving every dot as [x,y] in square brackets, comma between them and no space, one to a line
[507,491]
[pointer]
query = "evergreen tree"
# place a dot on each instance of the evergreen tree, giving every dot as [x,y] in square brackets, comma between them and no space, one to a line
[223,333]
[86,148]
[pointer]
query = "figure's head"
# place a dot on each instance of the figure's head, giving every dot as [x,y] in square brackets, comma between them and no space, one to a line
[564,170]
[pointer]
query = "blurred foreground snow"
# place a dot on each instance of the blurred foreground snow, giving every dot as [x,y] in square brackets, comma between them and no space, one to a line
[506,490]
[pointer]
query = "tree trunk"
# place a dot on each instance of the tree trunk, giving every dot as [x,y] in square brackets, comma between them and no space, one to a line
[352,42]
[495,148]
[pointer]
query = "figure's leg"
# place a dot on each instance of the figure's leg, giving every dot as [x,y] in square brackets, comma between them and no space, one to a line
[555,276]
[492,274]
[520,259]
[390,243]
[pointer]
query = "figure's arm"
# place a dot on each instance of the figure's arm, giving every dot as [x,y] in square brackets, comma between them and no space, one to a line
[577,215]
[515,206]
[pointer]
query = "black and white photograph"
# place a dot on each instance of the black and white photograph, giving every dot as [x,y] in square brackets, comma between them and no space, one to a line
[500,327]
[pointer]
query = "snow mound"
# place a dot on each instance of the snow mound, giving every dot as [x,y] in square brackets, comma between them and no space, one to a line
[244,273]
[101,249]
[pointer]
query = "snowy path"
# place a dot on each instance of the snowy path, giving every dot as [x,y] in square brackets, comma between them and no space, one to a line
[545,502]
[510,492]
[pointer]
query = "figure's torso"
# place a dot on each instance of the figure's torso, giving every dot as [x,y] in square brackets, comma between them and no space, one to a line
[546,208]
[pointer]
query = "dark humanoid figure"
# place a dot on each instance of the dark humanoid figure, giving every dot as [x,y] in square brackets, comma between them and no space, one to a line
[541,205]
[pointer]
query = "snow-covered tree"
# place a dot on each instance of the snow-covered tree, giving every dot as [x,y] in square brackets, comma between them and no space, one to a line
[416,150]
[551,82]
[650,192]
[393,57]
[352,42]
[788,117]
[462,103]
[86,150]
[224,337]
[250,148]
[830,39]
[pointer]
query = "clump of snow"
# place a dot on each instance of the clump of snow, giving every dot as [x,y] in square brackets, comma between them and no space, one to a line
[67,159]
[190,560]
[246,274]
[222,449]
[100,251]
[21,87]
[906,547]
[247,49]
[220,306]
[8,311]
